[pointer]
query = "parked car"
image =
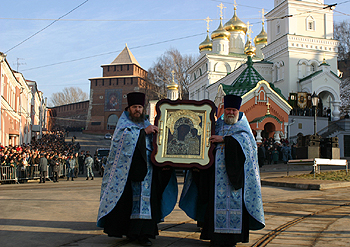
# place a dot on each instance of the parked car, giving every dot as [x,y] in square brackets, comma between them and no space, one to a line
[108,136]
[100,159]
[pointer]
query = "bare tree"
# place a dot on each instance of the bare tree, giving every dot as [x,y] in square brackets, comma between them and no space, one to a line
[68,95]
[161,72]
[342,33]
[345,96]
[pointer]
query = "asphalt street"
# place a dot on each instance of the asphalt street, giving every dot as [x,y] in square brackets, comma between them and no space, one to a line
[64,213]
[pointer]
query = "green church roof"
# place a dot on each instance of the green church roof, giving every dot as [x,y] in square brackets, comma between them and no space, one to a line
[260,119]
[246,81]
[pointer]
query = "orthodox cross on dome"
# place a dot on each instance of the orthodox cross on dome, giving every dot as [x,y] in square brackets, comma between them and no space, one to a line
[235,4]
[262,15]
[249,29]
[221,7]
[173,74]
[208,20]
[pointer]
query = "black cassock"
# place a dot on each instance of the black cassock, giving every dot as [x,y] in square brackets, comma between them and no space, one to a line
[118,222]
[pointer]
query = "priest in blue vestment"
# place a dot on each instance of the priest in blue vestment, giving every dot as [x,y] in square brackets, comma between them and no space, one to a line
[226,198]
[135,195]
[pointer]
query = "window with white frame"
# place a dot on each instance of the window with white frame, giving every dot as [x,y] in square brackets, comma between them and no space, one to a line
[278,28]
[310,23]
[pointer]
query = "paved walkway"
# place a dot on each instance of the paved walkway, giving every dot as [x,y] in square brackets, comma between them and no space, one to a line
[64,214]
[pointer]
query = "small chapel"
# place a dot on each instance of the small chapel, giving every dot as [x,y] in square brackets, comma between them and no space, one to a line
[277,72]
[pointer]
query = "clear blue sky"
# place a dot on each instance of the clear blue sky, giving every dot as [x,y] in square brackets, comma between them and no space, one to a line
[72,49]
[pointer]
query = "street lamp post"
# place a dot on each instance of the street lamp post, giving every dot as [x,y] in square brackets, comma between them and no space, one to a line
[314,99]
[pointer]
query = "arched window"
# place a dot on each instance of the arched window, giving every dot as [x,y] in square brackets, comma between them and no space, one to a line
[312,68]
[303,69]
[112,122]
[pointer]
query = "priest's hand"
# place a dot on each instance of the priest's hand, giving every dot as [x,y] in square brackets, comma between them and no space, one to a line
[216,138]
[151,129]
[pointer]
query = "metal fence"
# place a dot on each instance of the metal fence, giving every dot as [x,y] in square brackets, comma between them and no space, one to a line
[25,173]
[8,173]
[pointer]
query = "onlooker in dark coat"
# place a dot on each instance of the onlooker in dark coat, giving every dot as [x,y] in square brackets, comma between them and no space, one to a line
[81,159]
[261,155]
[55,165]
[275,156]
[43,168]
[286,153]
[76,168]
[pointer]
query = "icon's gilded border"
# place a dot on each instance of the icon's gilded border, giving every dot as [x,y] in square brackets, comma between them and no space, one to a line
[205,109]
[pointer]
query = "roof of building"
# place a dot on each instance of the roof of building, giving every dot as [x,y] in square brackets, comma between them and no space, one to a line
[246,81]
[125,57]
[260,119]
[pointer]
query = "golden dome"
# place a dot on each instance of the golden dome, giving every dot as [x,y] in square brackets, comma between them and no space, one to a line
[235,24]
[173,86]
[261,38]
[220,33]
[249,49]
[206,45]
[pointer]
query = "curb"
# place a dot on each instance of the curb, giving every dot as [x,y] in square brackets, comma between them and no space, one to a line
[304,184]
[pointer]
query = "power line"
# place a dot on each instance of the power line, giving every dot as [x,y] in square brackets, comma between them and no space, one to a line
[104,20]
[111,52]
[341,12]
[237,4]
[47,26]
[344,2]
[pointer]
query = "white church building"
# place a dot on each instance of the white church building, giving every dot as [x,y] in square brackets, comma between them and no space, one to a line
[294,53]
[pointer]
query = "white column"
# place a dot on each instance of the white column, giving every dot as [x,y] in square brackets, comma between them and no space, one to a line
[277,136]
[258,136]
[286,134]
[336,112]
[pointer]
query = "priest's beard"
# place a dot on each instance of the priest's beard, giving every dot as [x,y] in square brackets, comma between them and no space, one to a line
[136,119]
[231,119]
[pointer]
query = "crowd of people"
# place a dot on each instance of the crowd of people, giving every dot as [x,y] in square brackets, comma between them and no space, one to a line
[46,157]
[271,152]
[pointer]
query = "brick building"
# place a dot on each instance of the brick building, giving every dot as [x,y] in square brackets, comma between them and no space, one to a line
[70,116]
[108,93]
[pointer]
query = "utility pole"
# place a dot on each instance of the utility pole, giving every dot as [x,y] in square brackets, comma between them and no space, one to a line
[17,64]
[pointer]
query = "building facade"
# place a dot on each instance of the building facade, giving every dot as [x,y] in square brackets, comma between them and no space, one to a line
[296,53]
[37,111]
[22,115]
[108,94]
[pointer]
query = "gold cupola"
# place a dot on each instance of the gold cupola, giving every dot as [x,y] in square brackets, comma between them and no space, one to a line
[249,49]
[235,24]
[261,38]
[206,45]
[220,33]
[173,86]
